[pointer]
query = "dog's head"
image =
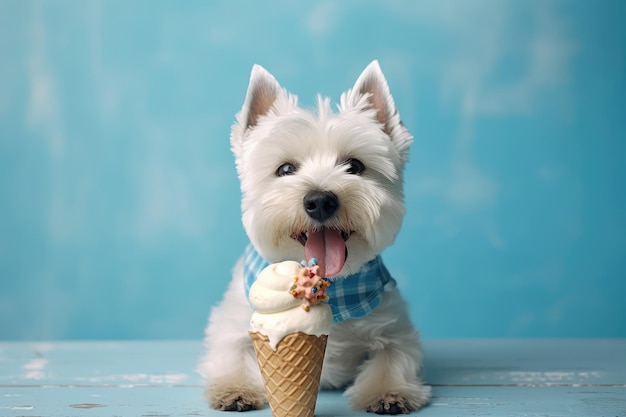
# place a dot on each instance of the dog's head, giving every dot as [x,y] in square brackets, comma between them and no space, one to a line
[321,184]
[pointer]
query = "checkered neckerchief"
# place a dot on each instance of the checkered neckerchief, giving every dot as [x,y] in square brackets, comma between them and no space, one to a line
[352,297]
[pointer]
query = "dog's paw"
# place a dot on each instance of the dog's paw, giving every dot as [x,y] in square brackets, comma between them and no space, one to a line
[389,404]
[235,399]
[393,403]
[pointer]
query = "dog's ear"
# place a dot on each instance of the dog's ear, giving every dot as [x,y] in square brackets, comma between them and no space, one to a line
[372,87]
[263,91]
[372,82]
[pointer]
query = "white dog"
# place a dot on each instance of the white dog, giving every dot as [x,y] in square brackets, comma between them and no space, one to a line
[328,185]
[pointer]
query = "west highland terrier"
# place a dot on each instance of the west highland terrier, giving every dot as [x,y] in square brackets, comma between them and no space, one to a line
[327,185]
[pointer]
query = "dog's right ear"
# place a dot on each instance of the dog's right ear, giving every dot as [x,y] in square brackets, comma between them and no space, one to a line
[263,91]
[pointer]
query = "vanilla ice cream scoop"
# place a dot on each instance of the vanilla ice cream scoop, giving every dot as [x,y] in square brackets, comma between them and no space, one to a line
[278,312]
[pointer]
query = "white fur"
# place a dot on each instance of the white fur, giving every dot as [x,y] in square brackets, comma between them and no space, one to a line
[378,357]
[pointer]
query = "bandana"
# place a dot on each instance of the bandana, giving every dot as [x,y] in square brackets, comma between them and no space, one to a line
[352,297]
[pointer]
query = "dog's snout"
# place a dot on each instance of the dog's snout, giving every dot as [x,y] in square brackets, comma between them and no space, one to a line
[321,205]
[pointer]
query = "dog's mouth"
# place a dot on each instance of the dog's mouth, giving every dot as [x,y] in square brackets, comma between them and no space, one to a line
[326,245]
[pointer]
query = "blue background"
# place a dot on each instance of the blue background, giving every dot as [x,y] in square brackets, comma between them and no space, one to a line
[119,211]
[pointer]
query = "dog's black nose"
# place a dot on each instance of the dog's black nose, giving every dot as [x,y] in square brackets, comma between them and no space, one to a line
[321,205]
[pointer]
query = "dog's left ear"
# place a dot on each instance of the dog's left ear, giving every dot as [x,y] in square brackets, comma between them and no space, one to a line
[372,86]
[372,82]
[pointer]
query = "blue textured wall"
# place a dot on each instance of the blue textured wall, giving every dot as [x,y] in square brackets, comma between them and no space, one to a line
[119,198]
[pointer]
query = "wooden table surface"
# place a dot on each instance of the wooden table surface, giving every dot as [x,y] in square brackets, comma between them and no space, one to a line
[478,377]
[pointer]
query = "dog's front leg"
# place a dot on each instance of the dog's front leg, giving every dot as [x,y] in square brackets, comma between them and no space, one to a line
[387,382]
[230,369]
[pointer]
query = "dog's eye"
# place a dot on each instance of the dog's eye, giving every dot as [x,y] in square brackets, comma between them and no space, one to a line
[286,169]
[355,166]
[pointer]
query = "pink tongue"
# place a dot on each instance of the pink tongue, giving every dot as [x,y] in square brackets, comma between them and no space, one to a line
[329,248]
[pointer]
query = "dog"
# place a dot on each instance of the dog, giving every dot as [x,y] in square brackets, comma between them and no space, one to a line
[324,184]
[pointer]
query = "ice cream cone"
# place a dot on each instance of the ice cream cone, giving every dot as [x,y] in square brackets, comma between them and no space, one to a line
[292,372]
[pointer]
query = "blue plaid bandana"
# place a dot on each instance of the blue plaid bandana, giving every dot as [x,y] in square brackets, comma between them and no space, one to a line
[352,297]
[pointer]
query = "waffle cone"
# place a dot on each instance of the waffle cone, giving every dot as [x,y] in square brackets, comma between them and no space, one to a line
[292,372]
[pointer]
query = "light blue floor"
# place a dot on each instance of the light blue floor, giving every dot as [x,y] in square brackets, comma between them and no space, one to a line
[469,377]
